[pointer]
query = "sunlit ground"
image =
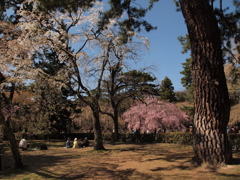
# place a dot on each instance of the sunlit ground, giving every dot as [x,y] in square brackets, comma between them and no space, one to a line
[120,161]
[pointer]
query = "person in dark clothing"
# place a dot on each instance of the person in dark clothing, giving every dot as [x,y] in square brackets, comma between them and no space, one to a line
[84,143]
[68,145]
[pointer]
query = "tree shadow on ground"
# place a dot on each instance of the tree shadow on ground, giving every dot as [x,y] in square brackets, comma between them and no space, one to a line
[230,176]
[95,170]
[61,163]
[34,161]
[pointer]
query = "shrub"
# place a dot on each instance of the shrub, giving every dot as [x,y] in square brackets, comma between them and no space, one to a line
[175,137]
[187,139]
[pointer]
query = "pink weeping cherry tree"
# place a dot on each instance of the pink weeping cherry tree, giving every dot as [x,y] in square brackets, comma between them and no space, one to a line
[153,114]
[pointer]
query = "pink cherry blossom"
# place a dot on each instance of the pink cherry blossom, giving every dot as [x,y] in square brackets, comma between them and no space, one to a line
[153,114]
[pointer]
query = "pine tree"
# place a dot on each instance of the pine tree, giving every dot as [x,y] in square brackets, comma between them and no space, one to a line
[187,80]
[167,90]
[212,107]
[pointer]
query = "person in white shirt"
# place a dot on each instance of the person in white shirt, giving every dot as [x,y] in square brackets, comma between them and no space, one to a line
[23,144]
[75,143]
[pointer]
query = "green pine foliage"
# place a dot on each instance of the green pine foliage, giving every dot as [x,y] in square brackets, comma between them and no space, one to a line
[167,90]
[187,80]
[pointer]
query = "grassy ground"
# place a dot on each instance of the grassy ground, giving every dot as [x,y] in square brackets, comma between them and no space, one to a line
[120,161]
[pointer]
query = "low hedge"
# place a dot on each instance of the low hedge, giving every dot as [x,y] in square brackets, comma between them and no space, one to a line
[173,137]
[128,137]
[187,139]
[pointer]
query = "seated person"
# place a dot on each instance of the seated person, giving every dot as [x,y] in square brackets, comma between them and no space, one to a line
[84,143]
[75,143]
[68,143]
[23,144]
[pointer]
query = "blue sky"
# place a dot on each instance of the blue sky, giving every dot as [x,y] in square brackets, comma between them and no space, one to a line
[165,49]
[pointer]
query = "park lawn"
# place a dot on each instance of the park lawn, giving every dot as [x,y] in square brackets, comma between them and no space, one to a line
[120,161]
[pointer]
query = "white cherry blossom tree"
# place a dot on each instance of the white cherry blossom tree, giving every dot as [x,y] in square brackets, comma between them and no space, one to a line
[85,51]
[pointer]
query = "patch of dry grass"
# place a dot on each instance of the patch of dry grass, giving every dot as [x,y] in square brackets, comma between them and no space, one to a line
[119,161]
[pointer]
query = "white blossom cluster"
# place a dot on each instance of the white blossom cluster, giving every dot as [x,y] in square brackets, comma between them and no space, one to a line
[86,52]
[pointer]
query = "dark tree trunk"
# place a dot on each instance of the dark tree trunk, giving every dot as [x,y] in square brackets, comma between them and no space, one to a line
[7,130]
[212,107]
[14,147]
[98,142]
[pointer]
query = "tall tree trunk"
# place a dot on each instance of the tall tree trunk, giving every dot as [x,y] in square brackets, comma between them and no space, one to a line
[98,142]
[212,106]
[14,147]
[7,130]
